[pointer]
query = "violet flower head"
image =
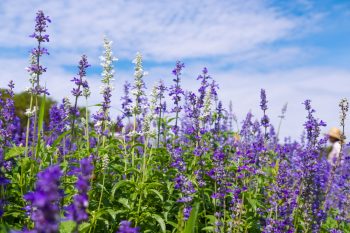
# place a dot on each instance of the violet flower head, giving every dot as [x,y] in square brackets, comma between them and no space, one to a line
[40,27]
[265,121]
[44,208]
[80,81]
[81,89]
[126,101]
[263,101]
[176,92]
[36,69]
[161,89]
[312,125]
[59,119]
[178,68]
[125,227]
[204,77]
[187,189]
[77,210]
[7,117]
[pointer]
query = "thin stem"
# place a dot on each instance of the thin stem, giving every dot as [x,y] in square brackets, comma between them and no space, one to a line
[159,120]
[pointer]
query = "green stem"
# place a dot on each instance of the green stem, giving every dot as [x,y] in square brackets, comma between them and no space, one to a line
[99,202]
[87,127]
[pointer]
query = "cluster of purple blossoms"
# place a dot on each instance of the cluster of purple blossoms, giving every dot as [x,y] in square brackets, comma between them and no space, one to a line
[161,107]
[218,174]
[265,121]
[36,69]
[177,160]
[40,27]
[187,190]
[314,171]
[204,78]
[283,199]
[126,101]
[77,210]
[44,209]
[176,92]
[125,227]
[7,117]
[59,120]
[82,88]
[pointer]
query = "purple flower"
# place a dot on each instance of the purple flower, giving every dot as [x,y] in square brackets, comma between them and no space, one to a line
[82,89]
[44,208]
[59,120]
[77,210]
[265,121]
[36,69]
[263,101]
[125,227]
[81,83]
[204,77]
[176,93]
[40,27]
[126,101]
[7,117]
[186,187]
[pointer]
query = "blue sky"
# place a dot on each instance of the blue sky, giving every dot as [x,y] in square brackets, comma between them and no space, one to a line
[294,49]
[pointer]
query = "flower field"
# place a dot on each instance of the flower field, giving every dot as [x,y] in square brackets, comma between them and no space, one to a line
[174,160]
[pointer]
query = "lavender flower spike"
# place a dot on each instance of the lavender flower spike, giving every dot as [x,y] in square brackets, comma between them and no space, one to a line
[125,227]
[77,210]
[44,209]
[36,69]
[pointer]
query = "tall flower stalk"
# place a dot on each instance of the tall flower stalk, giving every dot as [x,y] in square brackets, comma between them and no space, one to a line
[176,93]
[82,89]
[102,118]
[138,92]
[126,102]
[36,70]
[160,109]
[282,116]
[265,121]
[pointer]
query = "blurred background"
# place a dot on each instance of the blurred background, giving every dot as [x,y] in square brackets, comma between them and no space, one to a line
[295,49]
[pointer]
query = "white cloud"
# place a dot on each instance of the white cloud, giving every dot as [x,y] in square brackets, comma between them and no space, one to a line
[165,30]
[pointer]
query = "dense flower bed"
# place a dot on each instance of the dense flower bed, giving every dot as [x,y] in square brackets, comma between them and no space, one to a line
[173,161]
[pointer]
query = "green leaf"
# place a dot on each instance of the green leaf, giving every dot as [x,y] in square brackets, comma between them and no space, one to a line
[14,151]
[25,163]
[160,221]
[67,226]
[84,227]
[120,183]
[192,221]
[208,228]
[124,202]
[59,139]
[111,213]
[157,193]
